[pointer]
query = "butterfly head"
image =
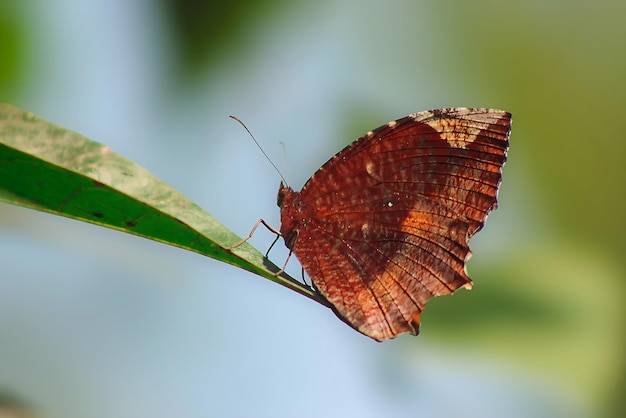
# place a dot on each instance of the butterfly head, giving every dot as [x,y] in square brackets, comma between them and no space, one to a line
[289,214]
[283,191]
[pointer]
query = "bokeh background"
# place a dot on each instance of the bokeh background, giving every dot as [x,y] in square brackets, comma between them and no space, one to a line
[94,323]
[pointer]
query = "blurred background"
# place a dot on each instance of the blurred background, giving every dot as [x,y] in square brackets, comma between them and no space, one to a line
[94,323]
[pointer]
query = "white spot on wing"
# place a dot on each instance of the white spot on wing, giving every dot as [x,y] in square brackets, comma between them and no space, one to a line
[370,168]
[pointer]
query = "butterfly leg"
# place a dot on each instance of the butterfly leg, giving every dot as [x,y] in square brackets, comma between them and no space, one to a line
[310,286]
[278,235]
[252,231]
[267,253]
[282,270]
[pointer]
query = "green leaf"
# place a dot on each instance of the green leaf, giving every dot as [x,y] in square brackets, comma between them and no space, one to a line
[52,169]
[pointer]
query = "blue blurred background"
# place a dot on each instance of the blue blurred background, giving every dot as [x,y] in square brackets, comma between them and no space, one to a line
[94,323]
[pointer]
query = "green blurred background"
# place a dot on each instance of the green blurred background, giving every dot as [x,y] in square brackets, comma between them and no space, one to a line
[94,323]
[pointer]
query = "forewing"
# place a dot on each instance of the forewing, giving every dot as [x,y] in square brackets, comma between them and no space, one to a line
[386,222]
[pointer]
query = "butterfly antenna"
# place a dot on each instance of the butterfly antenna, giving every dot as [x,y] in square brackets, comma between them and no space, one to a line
[282,144]
[261,148]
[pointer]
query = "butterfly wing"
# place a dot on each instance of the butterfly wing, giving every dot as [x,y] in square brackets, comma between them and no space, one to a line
[384,225]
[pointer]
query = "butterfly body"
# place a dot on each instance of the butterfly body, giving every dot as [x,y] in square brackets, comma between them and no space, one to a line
[384,225]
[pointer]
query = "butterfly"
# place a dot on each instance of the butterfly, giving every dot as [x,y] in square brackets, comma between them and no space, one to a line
[384,225]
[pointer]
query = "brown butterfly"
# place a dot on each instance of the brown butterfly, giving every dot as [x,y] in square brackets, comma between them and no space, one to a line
[384,225]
